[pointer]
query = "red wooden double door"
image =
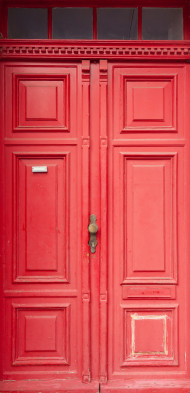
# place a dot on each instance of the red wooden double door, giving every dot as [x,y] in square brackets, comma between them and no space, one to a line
[110,139]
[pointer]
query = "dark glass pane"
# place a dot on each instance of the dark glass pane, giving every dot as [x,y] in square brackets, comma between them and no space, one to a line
[162,23]
[27,23]
[73,23]
[117,23]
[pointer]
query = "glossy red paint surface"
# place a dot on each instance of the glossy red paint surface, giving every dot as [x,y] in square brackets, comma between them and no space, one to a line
[114,136]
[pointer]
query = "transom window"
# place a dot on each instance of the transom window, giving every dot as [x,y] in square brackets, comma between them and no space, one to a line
[104,23]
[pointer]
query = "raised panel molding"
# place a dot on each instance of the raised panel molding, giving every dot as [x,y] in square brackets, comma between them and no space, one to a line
[149,217]
[150,292]
[41,218]
[146,102]
[150,335]
[149,103]
[40,334]
[41,103]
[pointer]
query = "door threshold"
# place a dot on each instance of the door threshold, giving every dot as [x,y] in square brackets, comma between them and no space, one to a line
[152,386]
[51,386]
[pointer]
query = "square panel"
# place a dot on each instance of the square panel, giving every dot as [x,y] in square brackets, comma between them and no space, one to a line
[41,334]
[149,216]
[150,336]
[147,100]
[41,103]
[44,101]
[41,217]
[145,342]
[149,103]
[47,97]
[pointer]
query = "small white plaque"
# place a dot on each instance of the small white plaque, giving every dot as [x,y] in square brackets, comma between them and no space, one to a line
[39,169]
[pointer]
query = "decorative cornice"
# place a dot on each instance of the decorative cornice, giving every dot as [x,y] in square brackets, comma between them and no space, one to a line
[52,49]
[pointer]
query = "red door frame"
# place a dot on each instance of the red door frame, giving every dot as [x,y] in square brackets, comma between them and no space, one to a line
[94,51]
[13,51]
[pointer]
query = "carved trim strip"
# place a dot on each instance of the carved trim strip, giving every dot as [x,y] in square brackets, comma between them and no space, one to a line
[103,92]
[86,366]
[45,49]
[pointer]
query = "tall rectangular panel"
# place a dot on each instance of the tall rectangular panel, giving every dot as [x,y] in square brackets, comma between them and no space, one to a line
[150,217]
[41,217]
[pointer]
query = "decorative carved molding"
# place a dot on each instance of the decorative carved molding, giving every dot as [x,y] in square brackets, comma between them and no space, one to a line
[93,49]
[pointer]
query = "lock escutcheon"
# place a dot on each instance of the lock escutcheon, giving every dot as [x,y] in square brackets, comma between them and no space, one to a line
[93,229]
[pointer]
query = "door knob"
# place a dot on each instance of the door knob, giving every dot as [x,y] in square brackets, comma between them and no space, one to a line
[93,229]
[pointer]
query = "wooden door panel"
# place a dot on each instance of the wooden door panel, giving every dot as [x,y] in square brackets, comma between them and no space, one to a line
[134,322]
[44,265]
[44,341]
[150,335]
[46,169]
[146,102]
[44,101]
[149,216]
[41,217]
[40,222]
[147,317]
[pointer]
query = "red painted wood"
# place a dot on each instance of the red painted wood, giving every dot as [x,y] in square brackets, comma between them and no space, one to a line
[50,23]
[114,137]
[104,221]
[147,319]
[95,209]
[86,295]
[45,336]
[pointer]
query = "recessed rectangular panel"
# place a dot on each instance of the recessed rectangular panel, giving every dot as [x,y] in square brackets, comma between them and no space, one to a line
[41,103]
[147,100]
[149,103]
[41,217]
[148,234]
[149,216]
[148,292]
[44,100]
[40,334]
[150,336]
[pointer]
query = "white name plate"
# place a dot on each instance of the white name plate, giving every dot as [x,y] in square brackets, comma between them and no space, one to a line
[39,169]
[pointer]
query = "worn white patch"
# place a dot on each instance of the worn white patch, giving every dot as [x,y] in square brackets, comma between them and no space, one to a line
[135,317]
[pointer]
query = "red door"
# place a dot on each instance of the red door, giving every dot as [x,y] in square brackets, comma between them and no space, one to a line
[109,139]
[46,287]
[147,210]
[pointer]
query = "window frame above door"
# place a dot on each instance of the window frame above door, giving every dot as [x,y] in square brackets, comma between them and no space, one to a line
[5,4]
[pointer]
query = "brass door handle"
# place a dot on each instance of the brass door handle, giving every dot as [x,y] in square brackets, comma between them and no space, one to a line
[93,229]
